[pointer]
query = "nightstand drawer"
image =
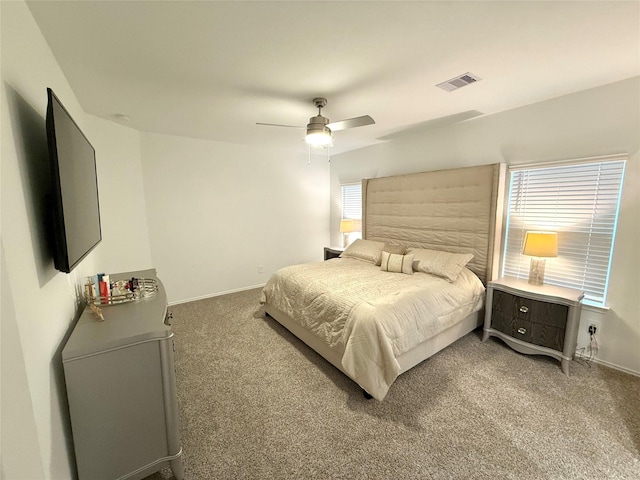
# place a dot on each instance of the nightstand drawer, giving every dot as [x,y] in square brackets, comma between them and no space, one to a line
[512,326]
[547,336]
[528,331]
[543,313]
[532,321]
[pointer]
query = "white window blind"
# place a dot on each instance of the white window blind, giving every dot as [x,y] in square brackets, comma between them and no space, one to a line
[352,201]
[580,201]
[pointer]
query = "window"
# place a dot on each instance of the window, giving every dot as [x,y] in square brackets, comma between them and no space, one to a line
[580,201]
[352,201]
[352,206]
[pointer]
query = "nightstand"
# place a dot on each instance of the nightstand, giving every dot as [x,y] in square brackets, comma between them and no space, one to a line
[534,319]
[332,252]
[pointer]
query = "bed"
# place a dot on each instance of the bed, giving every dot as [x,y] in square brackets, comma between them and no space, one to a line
[412,286]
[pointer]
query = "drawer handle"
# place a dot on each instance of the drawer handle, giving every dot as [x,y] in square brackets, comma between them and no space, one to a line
[522,331]
[524,309]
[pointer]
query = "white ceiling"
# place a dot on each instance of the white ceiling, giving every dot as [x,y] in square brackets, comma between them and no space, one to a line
[212,70]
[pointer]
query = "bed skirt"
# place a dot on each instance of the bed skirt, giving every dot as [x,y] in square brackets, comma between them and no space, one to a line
[407,360]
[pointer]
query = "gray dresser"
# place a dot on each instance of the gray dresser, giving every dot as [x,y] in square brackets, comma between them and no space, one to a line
[121,389]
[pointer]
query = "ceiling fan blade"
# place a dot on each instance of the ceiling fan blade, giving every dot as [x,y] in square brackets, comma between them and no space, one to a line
[278,125]
[351,123]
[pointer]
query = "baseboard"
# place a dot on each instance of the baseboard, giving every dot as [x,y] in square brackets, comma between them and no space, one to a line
[226,292]
[608,364]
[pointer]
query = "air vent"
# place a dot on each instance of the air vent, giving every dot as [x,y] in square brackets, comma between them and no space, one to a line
[459,81]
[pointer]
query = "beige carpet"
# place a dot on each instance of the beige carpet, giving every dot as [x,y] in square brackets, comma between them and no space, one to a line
[256,403]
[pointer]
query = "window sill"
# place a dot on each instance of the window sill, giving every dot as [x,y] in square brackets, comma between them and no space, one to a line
[595,308]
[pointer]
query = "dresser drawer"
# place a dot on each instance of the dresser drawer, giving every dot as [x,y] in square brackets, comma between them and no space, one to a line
[532,321]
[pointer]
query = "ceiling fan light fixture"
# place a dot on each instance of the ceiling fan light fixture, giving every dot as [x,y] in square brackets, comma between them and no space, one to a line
[319,138]
[320,130]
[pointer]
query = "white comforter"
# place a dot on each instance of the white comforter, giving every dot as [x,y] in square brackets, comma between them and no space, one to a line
[371,316]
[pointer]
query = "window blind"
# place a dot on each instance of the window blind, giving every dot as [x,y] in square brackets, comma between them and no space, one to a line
[352,201]
[579,201]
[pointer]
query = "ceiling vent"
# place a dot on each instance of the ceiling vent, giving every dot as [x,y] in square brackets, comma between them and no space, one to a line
[459,81]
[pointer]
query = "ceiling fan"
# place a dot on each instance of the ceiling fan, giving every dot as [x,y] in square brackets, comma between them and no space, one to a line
[319,130]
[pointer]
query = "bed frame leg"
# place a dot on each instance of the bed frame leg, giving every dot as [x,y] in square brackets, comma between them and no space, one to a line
[366,394]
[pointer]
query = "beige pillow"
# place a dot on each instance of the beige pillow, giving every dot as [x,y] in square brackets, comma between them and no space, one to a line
[366,250]
[392,262]
[443,264]
[393,248]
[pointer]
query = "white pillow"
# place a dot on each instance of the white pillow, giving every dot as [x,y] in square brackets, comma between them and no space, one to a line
[366,250]
[392,262]
[443,264]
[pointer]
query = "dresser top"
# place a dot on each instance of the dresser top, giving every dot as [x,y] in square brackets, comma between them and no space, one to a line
[124,324]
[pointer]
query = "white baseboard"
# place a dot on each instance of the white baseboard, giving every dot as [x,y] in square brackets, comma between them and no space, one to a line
[194,299]
[608,364]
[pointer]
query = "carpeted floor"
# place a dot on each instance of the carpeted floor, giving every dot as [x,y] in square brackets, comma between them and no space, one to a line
[256,403]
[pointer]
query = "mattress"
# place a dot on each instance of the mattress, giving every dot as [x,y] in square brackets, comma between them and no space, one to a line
[370,317]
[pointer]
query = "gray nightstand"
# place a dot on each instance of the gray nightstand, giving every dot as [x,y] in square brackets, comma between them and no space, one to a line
[534,319]
[332,252]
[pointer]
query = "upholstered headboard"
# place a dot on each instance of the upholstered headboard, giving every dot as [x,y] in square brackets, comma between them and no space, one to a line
[458,210]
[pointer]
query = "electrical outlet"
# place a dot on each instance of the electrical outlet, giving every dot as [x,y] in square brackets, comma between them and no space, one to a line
[592,329]
[260,268]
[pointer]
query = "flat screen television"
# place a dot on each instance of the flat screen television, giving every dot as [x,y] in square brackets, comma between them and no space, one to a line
[74,201]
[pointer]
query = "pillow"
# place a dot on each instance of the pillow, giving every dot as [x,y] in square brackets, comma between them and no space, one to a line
[366,250]
[392,248]
[443,264]
[392,262]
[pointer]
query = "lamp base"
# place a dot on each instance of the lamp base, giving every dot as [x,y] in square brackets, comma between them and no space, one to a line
[536,271]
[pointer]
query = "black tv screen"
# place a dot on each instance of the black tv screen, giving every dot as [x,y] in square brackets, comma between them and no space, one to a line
[75,206]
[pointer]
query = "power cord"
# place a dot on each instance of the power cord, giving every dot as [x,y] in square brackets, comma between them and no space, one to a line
[593,348]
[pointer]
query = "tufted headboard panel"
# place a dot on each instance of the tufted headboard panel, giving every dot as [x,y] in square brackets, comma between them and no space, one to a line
[458,210]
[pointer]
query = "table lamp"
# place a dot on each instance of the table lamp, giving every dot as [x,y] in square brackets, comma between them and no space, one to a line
[347,226]
[539,245]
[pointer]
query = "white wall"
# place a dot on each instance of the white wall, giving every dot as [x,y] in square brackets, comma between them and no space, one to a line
[595,122]
[39,304]
[122,202]
[217,211]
